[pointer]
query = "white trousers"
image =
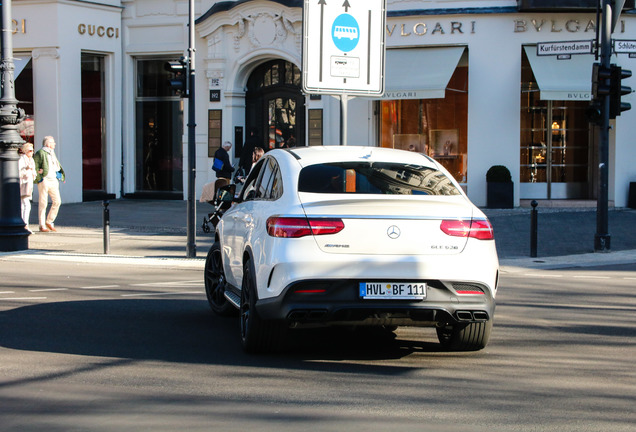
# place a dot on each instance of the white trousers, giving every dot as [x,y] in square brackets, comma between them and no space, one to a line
[45,188]
[26,209]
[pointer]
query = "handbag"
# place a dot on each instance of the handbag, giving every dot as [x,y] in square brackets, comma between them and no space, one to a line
[217,165]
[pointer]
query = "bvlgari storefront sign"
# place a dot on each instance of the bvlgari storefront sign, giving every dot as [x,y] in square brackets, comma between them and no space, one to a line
[98,30]
[437,28]
[521,25]
[558,26]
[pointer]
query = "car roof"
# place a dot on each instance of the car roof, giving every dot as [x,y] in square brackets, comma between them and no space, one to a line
[323,154]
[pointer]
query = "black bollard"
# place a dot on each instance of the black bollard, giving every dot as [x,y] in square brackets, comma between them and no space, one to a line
[106,227]
[533,229]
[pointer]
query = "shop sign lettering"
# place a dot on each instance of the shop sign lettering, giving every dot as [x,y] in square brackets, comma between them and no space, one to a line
[99,31]
[18,26]
[557,26]
[439,28]
[579,96]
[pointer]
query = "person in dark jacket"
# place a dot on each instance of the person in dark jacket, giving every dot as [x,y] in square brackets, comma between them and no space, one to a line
[222,155]
[248,150]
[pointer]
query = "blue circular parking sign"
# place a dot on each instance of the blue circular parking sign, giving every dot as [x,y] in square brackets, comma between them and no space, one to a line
[345,32]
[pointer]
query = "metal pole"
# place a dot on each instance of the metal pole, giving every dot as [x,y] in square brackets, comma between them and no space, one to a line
[602,237]
[191,248]
[106,219]
[13,233]
[343,119]
[534,225]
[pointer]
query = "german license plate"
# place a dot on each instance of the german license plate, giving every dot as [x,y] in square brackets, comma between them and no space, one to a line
[393,290]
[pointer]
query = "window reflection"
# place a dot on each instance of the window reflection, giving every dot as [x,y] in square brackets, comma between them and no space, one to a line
[436,127]
[159,126]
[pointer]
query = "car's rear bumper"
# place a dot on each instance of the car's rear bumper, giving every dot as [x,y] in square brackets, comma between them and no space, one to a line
[337,302]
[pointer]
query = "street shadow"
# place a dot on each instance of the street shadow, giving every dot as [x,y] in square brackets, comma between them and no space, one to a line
[186,331]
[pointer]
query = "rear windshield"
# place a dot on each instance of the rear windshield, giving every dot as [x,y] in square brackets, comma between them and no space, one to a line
[374,178]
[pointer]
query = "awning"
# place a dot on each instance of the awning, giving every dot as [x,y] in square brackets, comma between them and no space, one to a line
[20,64]
[569,79]
[419,73]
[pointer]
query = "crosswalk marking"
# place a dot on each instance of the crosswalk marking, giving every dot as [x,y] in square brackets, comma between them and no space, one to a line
[161,294]
[49,289]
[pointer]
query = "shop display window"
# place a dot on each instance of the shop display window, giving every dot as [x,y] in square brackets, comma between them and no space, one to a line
[159,130]
[436,127]
[23,76]
[555,136]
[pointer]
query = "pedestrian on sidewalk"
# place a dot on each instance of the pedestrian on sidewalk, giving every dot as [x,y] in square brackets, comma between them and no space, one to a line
[247,153]
[49,174]
[26,165]
[222,165]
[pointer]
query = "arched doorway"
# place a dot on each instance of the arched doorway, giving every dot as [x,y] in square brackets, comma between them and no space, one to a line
[275,105]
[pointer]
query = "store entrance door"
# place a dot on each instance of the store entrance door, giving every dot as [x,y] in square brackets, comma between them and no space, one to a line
[275,105]
[555,150]
[93,127]
[557,153]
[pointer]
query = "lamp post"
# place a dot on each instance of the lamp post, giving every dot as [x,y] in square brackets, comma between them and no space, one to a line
[191,246]
[13,233]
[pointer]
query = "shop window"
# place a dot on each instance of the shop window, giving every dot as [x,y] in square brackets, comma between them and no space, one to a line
[555,138]
[23,76]
[436,127]
[159,128]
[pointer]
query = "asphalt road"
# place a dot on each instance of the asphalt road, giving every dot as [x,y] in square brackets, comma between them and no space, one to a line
[102,347]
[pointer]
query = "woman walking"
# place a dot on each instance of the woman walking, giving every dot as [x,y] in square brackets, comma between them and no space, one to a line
[26,166]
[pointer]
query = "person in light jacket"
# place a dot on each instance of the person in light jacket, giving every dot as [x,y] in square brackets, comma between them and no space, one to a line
[49,174]
[26,165]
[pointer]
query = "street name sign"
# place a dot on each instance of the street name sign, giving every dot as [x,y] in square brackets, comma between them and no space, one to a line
[344,46]
[624,46]
[566,47]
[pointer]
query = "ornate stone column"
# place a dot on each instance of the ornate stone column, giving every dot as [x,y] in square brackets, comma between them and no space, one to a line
[13,232]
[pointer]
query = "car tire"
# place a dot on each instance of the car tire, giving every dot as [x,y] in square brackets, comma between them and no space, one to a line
[215,283]
[465,337]
[257,335]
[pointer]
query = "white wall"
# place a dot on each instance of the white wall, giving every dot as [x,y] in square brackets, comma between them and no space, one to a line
[54,34]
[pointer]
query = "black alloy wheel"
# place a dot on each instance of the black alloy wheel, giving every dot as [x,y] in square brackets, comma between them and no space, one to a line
[215,283]
[257,335]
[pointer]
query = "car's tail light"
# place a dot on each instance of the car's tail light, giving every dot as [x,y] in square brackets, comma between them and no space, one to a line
[480,229]
[299,226]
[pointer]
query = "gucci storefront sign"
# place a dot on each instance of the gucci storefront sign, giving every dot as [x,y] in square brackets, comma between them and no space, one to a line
[99,31]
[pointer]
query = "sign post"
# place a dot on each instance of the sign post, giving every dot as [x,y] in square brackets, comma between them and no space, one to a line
[343,49]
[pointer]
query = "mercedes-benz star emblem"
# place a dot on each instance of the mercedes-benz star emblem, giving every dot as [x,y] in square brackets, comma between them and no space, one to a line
[393,232]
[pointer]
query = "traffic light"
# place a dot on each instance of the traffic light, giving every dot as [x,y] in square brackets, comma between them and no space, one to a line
[600,88]
[599,75]
[179,80]
[594,112]
[617,90]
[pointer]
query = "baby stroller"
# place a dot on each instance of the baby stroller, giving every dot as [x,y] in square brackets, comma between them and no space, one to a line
[223,196]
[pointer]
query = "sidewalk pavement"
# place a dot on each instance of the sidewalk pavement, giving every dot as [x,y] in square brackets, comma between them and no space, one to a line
[154,232]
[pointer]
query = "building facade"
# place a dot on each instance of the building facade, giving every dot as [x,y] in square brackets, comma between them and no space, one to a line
[463,83]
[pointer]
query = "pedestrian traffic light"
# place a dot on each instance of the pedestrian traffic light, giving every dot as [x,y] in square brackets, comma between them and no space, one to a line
[618,90]
[179,80]
[599,76]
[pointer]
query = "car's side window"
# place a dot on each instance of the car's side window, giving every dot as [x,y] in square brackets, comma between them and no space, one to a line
[249,189]
[277,185]
[263,187]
